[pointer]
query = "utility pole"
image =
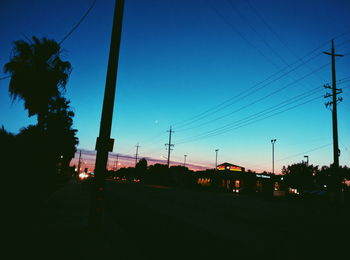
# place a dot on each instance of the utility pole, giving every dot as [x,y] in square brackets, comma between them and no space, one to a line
[79,165]
[137,153]
[104,143]
[169,145]
[307,160]
[333,103]
[185,160]
[116,163]
[216,158]
[273,141]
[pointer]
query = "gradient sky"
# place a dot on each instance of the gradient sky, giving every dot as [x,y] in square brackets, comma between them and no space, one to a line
[181,58]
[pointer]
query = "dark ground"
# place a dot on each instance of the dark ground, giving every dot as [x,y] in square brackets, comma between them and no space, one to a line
[157,222]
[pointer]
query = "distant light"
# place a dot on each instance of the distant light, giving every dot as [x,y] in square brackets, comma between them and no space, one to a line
[83,175]
[325,186]
[282,178]
[294,191]
[263,176]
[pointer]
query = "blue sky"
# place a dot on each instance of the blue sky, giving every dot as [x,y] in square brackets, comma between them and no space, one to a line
[179,59]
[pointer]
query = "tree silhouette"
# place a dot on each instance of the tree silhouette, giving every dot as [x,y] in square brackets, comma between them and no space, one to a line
[142,164]
[141,168]
[8,146]
[58,123]
[299,175]
[37,74]
[39,77]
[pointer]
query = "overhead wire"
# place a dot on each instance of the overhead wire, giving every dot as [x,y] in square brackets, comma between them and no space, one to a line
[268,45]
[235,111]
[255,117]
[235,125]
[69,33]
[246,105]
[308,151]
[258,14]
[303,95]
[246,93]
[260,99]
[79,22]
[238,32]
[229,101]
[218,107]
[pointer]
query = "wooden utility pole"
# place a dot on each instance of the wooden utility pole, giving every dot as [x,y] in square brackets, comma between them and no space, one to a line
[169,145]
[137,153]
[104,143]
[334,101]
[116,163]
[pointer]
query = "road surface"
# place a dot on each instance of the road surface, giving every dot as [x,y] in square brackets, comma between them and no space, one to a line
[158,222]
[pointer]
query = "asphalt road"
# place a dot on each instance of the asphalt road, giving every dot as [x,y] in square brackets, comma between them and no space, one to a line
[157,222]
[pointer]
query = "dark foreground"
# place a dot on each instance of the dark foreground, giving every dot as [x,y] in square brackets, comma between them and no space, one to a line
[157,222]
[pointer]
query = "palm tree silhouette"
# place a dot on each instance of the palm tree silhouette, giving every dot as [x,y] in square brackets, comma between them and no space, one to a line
[37,74]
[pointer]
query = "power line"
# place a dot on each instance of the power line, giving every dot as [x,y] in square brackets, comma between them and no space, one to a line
[244,93]
[79,22]
[345,147]
[260,36]
[218,106]
[291,100]
[309,151]
[342,81]
[219,131]
[239,33]
[236,125]
[273,31]
[69,33]
[277,36]
[230,100]
[276,91]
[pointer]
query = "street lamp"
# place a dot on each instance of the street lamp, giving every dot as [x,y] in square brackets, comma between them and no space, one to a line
[307,160]
[273,141]
[185,160]
[216,158]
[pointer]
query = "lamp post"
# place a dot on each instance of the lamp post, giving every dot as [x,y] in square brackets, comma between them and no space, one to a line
[273,141]
[185,160]
[307,160]
[216,158]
